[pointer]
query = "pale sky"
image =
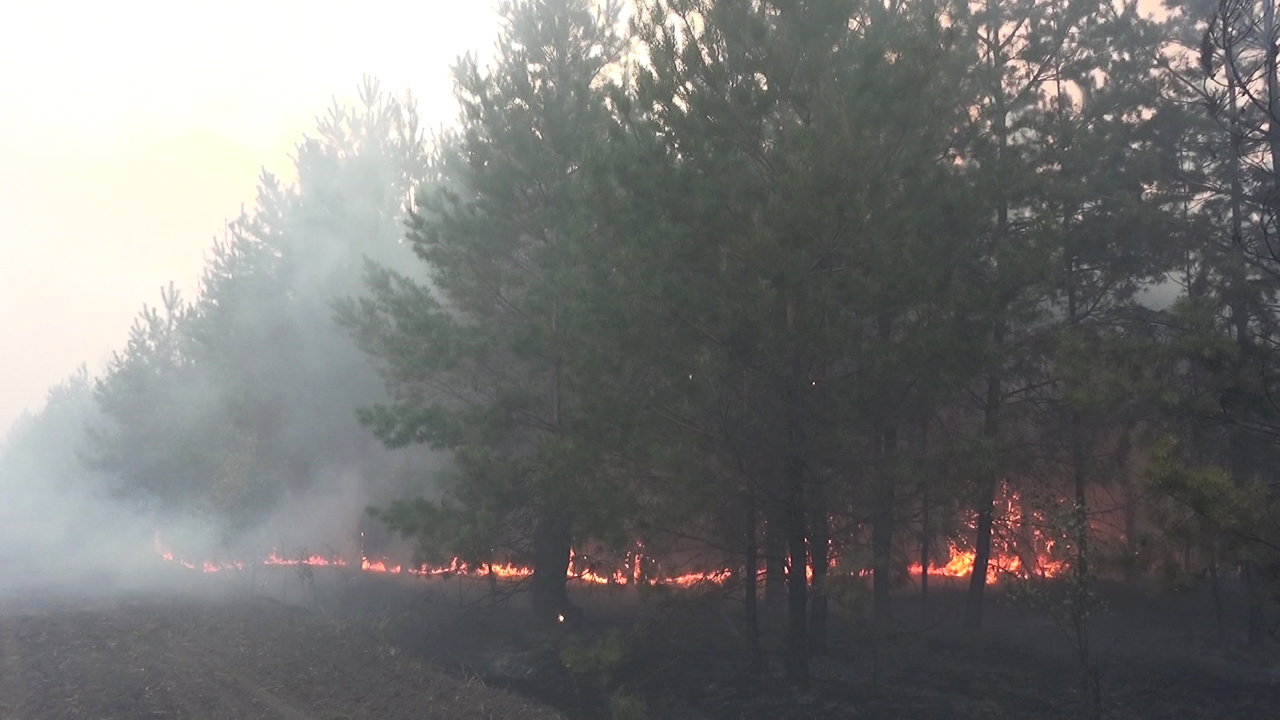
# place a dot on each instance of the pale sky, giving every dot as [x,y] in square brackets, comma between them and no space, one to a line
[131,130]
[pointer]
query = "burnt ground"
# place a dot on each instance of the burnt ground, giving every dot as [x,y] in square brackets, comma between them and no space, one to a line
[178,657]
[686,657]
[346,645]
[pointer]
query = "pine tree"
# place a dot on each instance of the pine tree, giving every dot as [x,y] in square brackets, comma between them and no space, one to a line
[480,360]
[227,404]
[785,233]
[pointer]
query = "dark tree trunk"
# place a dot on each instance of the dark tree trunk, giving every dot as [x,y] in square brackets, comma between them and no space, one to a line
[797,535]
[547,587]
[926,531]
[882,513]
[1080,472]
[882,530]
[986,511]
[819,547]
[991,410]
[926,544]
[750,577]
[1079,458]
[775,560]
[797,583]
[1241,463]
[982,558]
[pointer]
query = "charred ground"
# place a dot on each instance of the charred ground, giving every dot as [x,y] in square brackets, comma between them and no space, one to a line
[688,658]
[177,657]
[339,645]
[685,654]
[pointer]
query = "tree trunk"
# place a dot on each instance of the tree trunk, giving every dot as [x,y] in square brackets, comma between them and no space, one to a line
[992,404]
[797,583]
[882,515]
[882,531]
[797,536]
[986,512]
[819,548]
[1080,474]
[775,560]
[1241,463]
[1079,458]
[547,588]
[750,576]
[926,544]
[926,532]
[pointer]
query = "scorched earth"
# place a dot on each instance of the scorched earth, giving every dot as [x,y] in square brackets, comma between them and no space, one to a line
[247,658]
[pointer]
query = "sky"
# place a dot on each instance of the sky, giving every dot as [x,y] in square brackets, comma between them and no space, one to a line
[131,131]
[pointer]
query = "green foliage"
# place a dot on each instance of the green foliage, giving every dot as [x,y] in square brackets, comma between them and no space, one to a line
[492,360]
[597,661]
[1209,492]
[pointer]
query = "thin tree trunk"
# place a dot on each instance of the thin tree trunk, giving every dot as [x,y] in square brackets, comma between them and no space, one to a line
[882,517]
[926,532]
[547,588]
[1241,465]
[986,513]
[750,576]
[797,583]
[882,531]
[926,543]
[1079,468]
[991,406]
[819,548]
[775,558]
[797,535]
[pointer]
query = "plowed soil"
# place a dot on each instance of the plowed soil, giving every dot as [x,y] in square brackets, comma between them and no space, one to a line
[248,658]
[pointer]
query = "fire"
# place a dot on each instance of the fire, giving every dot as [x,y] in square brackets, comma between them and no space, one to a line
[274,558]
[701,578]
[1021,548]
[378,566]
[314,560]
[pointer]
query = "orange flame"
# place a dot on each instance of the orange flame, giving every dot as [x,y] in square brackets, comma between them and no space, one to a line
[1009,558]
[1007,555]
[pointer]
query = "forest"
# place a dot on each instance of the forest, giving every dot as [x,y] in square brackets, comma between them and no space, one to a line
[828,314]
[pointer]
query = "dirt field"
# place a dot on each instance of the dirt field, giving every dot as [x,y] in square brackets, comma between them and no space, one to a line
[248,658]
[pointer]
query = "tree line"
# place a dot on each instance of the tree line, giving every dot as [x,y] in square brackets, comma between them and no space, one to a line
[805,284]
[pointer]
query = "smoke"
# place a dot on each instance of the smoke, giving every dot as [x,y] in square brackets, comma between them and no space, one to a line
[59,526]
[65,530]
[225,429]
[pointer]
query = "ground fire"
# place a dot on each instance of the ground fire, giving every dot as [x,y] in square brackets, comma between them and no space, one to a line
[1022,548]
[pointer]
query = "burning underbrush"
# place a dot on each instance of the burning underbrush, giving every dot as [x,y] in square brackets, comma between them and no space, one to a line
[1022,547]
